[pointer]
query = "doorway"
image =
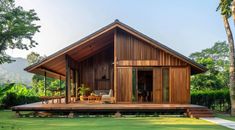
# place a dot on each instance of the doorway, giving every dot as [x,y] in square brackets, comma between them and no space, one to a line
[144,85]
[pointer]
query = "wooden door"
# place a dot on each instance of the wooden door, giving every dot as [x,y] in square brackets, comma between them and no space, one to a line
[179,81]
[157,85]
[124,84]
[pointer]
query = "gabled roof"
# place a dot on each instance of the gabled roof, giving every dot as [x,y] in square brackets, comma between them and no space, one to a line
[117,24]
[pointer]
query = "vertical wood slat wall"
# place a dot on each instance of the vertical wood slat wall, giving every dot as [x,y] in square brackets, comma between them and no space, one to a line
[180,84]
[157,85]
[132,52]
[94,69]
[124,84]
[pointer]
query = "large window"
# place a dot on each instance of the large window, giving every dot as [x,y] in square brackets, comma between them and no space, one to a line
[134,89]
[165,85]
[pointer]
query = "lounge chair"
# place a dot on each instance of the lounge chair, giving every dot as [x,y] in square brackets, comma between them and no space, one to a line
[108,98]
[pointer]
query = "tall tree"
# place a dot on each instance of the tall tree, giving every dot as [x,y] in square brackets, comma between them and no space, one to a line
[233,11]
[216,60]
[17,28]
[34,57]
[226,12]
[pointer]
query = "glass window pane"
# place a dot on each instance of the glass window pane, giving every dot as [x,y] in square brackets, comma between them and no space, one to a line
[165,85]
[134,98]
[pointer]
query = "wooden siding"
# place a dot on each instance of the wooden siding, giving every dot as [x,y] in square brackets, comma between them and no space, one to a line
[97,71]
[124,84]
[179,85]
[157,85]
[132,51]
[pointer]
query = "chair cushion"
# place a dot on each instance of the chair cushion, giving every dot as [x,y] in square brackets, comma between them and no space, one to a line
[101,92]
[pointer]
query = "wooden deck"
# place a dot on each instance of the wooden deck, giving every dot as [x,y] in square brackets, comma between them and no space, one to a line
[190,109]
[102,107]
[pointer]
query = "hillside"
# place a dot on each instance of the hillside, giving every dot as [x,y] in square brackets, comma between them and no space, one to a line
[14,72]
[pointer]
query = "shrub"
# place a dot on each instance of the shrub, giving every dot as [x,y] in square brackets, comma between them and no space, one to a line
[12,99]
[218,100]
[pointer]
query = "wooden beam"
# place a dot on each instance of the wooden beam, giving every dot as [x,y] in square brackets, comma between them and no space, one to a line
[76,84]
[45,83]
[68,83]
[115,65]
[60,85]
[52,72]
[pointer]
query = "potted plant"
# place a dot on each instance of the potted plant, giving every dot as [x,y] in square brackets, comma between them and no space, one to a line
[82,91]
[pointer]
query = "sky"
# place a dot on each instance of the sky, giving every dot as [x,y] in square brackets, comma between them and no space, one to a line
[186,26]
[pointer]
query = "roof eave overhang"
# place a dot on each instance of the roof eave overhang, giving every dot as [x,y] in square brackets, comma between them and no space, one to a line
[126,28]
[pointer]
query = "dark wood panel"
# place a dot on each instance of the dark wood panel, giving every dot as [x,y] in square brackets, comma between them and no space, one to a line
[96,71]
[179,85]
[132,51]
[157,85]
[124,84]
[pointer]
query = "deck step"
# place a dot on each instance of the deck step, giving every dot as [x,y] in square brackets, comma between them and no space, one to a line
[199,112]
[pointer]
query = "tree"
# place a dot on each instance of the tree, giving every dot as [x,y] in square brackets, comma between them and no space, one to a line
[233,11]
[38,80]
[216,59]
[34,57]
[17,28]
[226,12]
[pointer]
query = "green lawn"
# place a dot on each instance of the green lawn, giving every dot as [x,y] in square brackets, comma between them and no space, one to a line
[9,122]
[226,116]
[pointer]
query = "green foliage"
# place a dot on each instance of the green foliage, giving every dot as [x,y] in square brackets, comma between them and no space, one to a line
[17,27]
[21,89]
[216,60]
[38,80]
[17,94]
[214,99]
[34,57]
[13,99]
[5,88]
[225,7]
[83,89]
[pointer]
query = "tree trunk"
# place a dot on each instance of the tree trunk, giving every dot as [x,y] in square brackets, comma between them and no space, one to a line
[231,68]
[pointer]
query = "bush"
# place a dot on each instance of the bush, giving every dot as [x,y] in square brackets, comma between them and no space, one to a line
[12,99]
[218,100]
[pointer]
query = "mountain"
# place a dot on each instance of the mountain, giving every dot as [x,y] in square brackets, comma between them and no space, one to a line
[14,72]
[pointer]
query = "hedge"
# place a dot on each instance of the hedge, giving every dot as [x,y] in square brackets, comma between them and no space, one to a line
[218,100]
[12,99]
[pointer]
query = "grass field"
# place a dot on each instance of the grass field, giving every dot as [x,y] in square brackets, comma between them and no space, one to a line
[226,116]
[9,122]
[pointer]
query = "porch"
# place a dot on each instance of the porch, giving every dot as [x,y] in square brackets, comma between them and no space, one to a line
[97,107]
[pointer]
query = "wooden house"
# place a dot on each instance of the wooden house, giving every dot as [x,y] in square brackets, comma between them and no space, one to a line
[138,69]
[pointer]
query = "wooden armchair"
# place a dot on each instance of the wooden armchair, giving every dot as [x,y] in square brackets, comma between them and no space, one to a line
[108,98]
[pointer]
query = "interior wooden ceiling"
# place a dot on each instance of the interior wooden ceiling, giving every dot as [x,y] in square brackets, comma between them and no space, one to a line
[79,53]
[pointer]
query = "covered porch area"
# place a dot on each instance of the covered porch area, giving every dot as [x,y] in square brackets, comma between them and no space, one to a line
[88,62]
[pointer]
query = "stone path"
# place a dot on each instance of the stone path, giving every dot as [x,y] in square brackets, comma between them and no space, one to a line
[219,121]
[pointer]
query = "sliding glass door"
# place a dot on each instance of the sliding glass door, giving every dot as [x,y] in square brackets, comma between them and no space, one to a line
[165,85]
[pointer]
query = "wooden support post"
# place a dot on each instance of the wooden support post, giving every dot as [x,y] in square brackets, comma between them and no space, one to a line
[68,83]
[115,65]
[76,84]
[45,83]
[60,85]
[118,114]
[71,115]
[17,114]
